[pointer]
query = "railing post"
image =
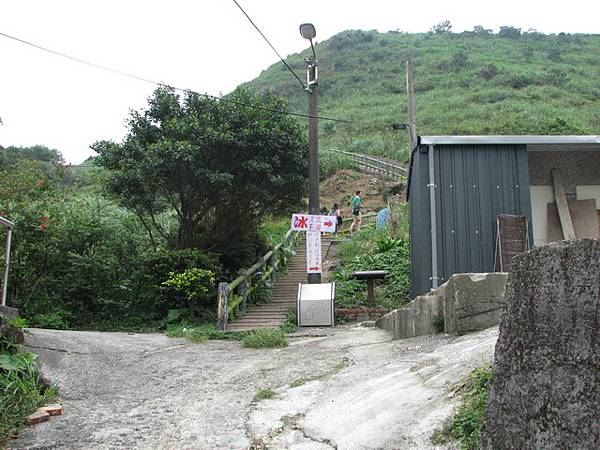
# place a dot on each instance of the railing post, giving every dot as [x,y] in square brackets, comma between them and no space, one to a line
[242,290]
[273,263]
[222,299]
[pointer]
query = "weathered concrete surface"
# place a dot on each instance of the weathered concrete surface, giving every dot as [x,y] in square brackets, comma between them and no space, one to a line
[545,392]
[466,302]
[420,317]
[356,388]
[473,301]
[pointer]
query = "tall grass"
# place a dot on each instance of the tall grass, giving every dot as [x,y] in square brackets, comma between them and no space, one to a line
[464,84]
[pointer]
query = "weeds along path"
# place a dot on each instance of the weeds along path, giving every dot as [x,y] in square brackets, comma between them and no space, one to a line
[348,387]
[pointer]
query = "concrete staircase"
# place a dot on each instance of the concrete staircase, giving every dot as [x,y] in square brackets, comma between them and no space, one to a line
[283,295]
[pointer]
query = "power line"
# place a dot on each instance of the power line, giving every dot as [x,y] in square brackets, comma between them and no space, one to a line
[214,97]
[73,58]
[270,45]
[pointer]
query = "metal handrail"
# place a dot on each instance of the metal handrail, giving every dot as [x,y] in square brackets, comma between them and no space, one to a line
[378,164]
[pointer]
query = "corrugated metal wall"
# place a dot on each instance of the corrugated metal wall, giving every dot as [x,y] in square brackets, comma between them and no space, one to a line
[474,183]
[420,226]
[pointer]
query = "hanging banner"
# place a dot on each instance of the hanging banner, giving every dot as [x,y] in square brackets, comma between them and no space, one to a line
[313,252]
[308,222]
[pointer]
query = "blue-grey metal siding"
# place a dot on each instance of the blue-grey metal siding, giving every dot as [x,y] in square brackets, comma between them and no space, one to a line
[474,183]
[420,225]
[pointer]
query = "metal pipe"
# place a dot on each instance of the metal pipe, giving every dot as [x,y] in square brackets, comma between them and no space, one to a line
[6,264]
[433,217]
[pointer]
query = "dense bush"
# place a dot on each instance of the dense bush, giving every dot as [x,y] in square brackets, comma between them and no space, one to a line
[372,249]
[82,261]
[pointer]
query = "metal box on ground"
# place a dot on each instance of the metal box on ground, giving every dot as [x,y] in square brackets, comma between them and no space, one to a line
[315,305]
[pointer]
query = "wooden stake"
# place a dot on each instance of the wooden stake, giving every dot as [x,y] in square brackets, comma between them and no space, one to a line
[563,207]
[222,299]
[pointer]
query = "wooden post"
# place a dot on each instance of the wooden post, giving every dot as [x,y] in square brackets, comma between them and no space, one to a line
[410,97]
[273,263]
[222,299]
[563,207]
[242,290]
[370,291]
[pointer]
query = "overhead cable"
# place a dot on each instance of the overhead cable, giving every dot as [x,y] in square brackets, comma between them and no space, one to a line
[270,45]
[214,97]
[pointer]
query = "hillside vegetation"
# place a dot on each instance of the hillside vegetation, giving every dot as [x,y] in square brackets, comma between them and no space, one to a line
[465,83]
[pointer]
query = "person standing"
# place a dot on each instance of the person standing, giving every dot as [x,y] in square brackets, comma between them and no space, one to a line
[383,218]
[335,212]
[356,214]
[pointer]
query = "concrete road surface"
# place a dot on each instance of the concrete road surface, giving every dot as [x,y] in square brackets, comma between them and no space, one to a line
[349,387]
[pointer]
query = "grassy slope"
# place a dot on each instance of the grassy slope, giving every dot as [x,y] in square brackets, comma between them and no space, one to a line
[538,84]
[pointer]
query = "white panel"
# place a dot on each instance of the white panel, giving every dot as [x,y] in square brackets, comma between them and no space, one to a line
[589,193]
[315,304]
[540,197]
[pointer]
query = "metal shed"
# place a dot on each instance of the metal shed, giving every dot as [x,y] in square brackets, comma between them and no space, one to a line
[458,185]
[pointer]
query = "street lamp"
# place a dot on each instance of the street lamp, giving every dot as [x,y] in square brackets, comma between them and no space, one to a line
[307,31]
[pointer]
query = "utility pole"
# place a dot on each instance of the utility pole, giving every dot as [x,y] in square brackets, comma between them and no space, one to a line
[314,203]
[307,31]
[410,96]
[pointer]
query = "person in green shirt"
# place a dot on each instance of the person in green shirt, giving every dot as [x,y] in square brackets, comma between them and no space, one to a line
[356,214]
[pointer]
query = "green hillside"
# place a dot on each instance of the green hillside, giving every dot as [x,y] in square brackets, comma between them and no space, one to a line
[465,83]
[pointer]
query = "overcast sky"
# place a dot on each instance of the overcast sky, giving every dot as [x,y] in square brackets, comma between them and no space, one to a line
[204,45]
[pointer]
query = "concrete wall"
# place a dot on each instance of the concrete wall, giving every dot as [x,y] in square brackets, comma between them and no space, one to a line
[424,315]
[466,302]
[576,168]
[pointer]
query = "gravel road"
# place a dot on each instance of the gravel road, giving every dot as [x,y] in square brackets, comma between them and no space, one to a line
[349,387]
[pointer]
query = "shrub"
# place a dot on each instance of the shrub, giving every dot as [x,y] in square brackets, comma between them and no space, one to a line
[465,425]
[372,249]
[20,390]
[264,394]
[265,338]
[489,71]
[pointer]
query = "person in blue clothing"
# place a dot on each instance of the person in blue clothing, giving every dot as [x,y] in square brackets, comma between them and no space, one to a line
[356,214]
[383,218]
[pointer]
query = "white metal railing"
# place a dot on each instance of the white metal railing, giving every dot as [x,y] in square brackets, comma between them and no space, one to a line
[375,164]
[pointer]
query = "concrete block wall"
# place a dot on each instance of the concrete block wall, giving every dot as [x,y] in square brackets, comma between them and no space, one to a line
[466,302]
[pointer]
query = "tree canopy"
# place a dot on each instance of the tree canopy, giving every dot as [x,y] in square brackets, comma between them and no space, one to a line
[219,165]
[9,156]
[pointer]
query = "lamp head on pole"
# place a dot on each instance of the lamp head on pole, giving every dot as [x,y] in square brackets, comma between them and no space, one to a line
[307,31]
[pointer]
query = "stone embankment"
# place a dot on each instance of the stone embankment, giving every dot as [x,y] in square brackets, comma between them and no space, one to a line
[466,302]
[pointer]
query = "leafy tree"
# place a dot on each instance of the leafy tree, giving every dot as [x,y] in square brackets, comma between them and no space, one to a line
[219,165]
[9,156]
[509,32]
[442,27]
[481,31]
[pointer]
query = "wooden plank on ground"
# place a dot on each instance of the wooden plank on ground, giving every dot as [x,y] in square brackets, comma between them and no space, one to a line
[566,223]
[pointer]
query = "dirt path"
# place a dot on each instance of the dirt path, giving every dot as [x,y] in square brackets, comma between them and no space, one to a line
[347,388]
